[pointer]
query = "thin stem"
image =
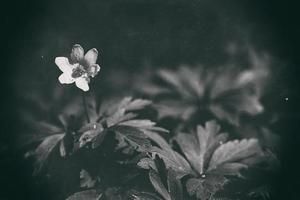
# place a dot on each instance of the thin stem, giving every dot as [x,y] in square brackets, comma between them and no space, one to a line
[85,107]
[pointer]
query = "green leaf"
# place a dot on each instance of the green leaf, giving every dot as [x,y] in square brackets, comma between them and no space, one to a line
[199,147]
[85,195]
[44,149]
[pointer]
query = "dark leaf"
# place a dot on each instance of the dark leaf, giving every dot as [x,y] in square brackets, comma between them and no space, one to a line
[135,137]
[86,180]
[206,187]
[44,149]
[85,195]
[158,185]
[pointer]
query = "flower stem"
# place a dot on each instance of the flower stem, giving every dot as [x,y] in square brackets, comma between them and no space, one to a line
[85,107]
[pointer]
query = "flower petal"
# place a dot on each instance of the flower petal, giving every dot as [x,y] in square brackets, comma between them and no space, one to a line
[93,70]
[64,64]
[77,53]
[66,78]
[91,56]
[82,83]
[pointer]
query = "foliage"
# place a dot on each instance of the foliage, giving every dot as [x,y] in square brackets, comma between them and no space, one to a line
[113,149]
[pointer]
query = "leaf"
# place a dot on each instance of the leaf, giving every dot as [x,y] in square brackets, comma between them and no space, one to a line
[175,109]
[234,151]
[118,114]
[85,195]
[133,136]
[206,187]
[139,123]
[226,92]
[62,149]
[144,124]
[138,104]
[158,185]
[86,180]
[174,186]
[44,149]
[145,196]
[199,147]
[91,132]
[171,158]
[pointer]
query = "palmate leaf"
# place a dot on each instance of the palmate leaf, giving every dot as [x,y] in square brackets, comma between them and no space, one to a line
[171,158]
[214,159]
[226,93]
[120,119]
[199,147]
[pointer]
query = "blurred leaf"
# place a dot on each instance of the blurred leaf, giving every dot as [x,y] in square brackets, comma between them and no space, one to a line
[44,149]
[226,92]
[85,195]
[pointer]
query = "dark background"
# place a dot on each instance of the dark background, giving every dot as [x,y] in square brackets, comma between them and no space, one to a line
[131,33]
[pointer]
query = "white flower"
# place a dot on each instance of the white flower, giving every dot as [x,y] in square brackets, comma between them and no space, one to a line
[79,67]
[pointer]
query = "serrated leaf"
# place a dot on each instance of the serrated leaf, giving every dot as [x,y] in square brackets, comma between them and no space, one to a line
[199,147]
[44,149]
[171,158]
[137,104]
[85,195]
[144,124]
[133,136]
[206,187]
[234,151]
[86,180]
[139,123]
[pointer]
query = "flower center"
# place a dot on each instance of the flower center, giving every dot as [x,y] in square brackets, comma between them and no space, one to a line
[78,71]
